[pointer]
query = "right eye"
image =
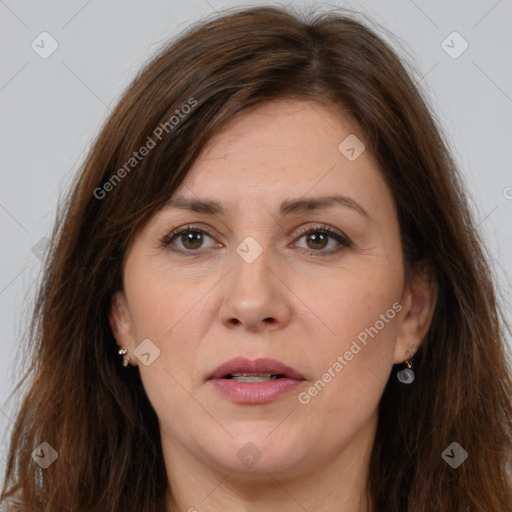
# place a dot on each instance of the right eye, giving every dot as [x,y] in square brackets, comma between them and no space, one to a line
[189,237]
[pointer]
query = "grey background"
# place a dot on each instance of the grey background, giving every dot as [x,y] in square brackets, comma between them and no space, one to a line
[51,108]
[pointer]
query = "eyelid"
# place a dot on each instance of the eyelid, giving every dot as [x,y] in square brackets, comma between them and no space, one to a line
[341,238]
[319,227]
[167,241]
[188,227]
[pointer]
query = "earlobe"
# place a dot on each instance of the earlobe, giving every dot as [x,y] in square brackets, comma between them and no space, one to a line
[119,319]
[425,298]
[421,298]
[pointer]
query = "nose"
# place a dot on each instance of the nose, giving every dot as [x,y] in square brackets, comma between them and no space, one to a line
[256,296]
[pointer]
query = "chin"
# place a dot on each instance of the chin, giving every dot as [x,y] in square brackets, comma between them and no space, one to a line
[254,451]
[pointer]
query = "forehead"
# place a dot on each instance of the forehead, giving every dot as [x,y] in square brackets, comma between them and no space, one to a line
[277,126]
[282,150]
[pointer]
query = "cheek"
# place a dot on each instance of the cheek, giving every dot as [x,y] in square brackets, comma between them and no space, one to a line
[161,310]
[353,366]
[354,357]
[349,302]
[167,309]
[159,300]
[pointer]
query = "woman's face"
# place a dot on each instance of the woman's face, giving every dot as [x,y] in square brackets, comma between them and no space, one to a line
[261,279]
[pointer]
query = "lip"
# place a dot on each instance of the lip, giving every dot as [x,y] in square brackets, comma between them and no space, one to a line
[254,392]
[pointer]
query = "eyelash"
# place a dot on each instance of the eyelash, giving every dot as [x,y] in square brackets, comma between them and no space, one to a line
[323,229]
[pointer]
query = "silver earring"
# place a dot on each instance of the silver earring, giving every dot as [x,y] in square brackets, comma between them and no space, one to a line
[126,359]
[406,376]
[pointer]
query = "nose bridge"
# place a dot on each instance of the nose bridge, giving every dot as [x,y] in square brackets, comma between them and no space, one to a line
[252,273]
[254,293]
[255,230]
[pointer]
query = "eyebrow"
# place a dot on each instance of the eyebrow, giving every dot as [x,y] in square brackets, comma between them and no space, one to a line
[290,206]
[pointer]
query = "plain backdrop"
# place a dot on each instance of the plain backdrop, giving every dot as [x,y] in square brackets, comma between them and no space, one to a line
[52,105]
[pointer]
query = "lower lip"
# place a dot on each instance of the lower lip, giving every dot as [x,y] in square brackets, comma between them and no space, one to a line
[255,392]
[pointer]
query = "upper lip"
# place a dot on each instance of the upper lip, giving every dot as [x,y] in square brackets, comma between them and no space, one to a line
[262,365]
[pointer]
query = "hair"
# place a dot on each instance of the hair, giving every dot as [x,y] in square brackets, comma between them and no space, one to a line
[95,413]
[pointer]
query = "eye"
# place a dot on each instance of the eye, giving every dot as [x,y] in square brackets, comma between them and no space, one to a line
[317,239]
[191,239]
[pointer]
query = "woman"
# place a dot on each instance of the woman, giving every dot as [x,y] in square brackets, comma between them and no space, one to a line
[266,292]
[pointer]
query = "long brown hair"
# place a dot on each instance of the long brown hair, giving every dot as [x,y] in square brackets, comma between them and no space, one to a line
[95,414]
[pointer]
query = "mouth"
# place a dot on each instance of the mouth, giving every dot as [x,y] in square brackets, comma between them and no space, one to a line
[257,381]
[254,377]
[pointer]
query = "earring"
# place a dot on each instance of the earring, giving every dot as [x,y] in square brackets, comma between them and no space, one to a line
[406,376]
[122,351]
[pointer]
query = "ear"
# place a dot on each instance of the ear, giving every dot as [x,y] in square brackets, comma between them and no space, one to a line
[120,323]
[418,301]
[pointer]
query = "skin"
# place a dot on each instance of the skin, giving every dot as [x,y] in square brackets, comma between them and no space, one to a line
[288,304]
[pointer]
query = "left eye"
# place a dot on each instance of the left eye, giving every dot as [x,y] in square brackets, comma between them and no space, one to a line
[317,238]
